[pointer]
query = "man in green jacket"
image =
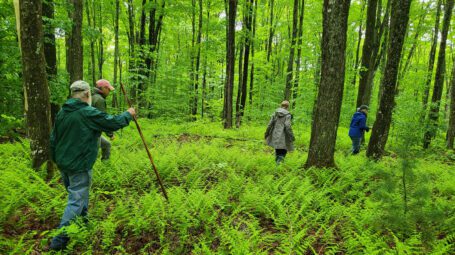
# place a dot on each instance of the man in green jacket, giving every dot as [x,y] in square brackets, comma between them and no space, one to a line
[74,147]
[100,93]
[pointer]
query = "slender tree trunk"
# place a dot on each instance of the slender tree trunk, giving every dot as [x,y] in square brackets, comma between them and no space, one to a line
[50,50]
[198,61]
[289,72]
[37,105]
[204,74]
[271,30]
[434,42]
[398,26]
[131,48]
[451,129]
[116,49]
[367,51]
[230,63]
[240,70]
[299,54]
[247,40]
[141,68]
[330,94]
[252,54]
[74,59]
[92,45]
[439,79]
[356,63]
[100,44]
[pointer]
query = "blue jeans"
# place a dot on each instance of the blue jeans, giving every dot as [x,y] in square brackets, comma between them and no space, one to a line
[355,144]
[78,186]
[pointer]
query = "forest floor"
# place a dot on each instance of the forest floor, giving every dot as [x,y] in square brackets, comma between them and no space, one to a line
[227,196]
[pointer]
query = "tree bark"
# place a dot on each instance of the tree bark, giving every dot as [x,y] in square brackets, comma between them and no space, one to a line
[248,20]
[295,89]
[356,63]
[439,79]
[230,63]
[434,42]
[367,51]
[92,44]
[290,69]
[37,105]
[330,95]
[398,26]
[116,49]
[50,50]
[252,54]
[451,129]
[74,53]
[100,43]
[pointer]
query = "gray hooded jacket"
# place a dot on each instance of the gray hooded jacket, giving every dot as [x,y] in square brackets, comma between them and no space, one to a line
[279,133]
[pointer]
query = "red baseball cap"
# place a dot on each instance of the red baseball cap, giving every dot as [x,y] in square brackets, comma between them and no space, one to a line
[104,83]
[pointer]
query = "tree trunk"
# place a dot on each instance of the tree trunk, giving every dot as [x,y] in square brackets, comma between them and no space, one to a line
[100,44]
[367,51]
[74,53]
[92,44]
[37,106]
[116,49]
[451,129]
[198,61]
[230,63]
[398,26]
[299,54]
[289,72]
[434,42]
[252,54]
[330,94]
[131,42]
[50,50]
[439,79]
[271,30]
[248,38]
[356,63]
[204,74]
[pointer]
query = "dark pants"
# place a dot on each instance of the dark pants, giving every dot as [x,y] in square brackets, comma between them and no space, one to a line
[280,154]
[356,144]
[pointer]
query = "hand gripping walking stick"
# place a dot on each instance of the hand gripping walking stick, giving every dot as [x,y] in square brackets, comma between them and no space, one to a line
[145,145]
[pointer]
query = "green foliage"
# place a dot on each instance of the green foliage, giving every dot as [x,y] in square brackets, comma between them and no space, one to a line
[9,126]
[227,196]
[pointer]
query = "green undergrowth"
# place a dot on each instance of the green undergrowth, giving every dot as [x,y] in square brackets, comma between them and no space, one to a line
[226,196]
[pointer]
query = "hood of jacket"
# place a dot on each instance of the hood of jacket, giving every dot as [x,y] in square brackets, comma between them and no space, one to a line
[281,112]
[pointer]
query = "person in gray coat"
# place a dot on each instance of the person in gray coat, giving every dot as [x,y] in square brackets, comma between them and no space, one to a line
[279,133]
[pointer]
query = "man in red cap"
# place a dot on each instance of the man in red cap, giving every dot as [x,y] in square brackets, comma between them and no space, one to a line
[102,90]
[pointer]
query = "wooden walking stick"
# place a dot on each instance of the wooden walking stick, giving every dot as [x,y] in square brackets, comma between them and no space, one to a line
[145,145]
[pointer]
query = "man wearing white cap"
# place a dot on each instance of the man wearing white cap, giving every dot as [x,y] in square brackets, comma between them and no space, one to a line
[100,93]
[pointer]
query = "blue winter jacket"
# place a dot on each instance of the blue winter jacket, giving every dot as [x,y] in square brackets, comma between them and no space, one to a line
[358,125]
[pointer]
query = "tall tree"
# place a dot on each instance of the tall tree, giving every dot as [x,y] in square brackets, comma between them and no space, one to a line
[92,42]
[289,72]
[116,49]
[299,53]
[440,76]
[230,62]
[451,128]
[326,112]
[248,20]
[101,40]
[367,51]
[74,53]
[434,42]
[398,27]
[37,106]
[359,40]
[50,50]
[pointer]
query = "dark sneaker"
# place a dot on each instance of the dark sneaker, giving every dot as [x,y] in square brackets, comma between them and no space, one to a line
[59,242]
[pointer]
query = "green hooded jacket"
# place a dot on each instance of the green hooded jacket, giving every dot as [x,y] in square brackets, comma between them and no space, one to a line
[77,129]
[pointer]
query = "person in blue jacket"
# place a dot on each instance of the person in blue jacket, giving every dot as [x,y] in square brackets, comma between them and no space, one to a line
[358,127]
